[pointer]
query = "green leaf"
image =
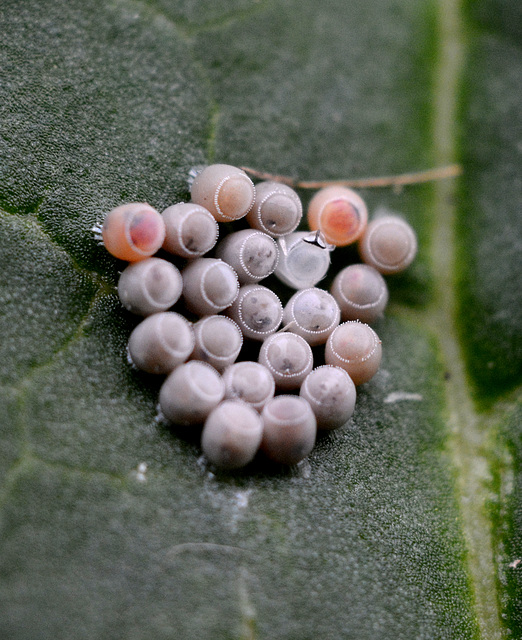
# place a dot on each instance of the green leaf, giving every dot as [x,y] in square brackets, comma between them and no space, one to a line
[490,296]
[402,524]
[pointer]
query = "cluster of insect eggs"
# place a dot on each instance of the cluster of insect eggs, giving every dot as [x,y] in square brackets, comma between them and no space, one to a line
[277,403]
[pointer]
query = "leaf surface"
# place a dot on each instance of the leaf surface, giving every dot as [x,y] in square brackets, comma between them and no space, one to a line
[383,531]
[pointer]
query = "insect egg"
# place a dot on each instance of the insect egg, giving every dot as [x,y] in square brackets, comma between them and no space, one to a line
[253,254]
[331,394]
[149,286]
[277,209]
[389,244]
[218,341]
[290,429]
[133,231]
[226,191]
[257,310]
[361,293]
[190,393]
[304,259]
[209,286]
[249,381]
[161,342]
[339,213]
[313,314]
[232,434]
[288,357]
[356,348]
[190,230]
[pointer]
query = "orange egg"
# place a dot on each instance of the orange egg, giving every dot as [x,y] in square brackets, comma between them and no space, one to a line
[339,213]
[133,231]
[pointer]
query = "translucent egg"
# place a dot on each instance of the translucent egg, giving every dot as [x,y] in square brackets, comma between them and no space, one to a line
[190,393]
[252,254]
[277,209]
[290,429]
[313,314]
[356,348]
[232,434]
[133,231]
[361,292]
[161,342]
[190,230]
[331,394]
[226,191]
[149,286]
[304,259]
[339,213]
[389,244]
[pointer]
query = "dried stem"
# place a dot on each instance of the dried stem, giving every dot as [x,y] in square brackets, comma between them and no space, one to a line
[439,173]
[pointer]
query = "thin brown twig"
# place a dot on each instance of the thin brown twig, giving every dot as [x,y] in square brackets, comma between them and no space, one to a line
[439,173]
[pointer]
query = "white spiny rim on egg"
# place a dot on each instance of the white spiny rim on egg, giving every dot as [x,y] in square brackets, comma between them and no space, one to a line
[232,434]
[161,342]
[190,230]
[290,429]
[361,292]
[149,286]
[190,393]
[389,244]
[257,310]
[253,254]
[218,341]
[356,348]
[288,357]
[226,191]
[313,314]
[249,381]
[277,209]
[133,231]
[209,286]
[331,394]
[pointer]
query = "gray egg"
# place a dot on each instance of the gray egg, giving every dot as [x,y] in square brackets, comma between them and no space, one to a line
[232,434]
[361,292]
[257,311]
[289,430]
[288,357]
[277,209]
[313,314]
[252,254]
[209,286]
[161,342]
[331,394]
[150,286]
[190,393]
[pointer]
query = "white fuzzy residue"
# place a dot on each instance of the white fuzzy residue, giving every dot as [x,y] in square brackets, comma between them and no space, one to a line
[397,396]
[140,472]
[231,505]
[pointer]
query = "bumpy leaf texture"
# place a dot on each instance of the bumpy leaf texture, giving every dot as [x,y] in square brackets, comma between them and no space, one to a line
[383,532]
